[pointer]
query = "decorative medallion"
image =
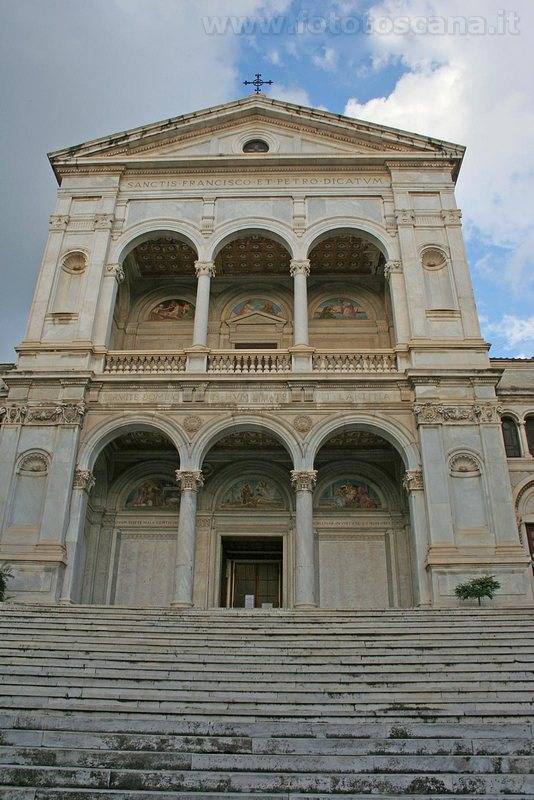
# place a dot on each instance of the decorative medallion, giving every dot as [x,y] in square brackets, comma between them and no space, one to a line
[303,423]
[192,424]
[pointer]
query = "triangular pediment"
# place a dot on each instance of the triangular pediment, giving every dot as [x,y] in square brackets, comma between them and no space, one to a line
[219,134]
[255,318]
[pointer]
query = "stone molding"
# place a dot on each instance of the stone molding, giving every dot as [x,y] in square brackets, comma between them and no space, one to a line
[303,480]
[189,479]
[62,414]
[391,267]
[299,267]
[83,479]
[205,268]
[437,413]
[116,271]
[413,480]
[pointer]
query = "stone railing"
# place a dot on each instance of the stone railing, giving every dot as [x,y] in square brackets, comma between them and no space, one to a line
[242,362]
[121,362]
[354,361]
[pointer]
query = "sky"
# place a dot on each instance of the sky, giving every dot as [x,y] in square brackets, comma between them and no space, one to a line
[460,70]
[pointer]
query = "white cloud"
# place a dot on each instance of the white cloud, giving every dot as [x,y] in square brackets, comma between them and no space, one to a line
[326,59]
[478,91]
[291,94]
[513,331]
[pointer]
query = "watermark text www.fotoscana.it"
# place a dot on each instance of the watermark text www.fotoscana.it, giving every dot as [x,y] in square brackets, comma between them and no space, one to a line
[502,23]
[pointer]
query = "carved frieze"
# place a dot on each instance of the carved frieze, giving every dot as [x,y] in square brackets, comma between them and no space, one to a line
[405,217]
[62,414]
[435,413]
[103,222]
[452,216]
[59,222]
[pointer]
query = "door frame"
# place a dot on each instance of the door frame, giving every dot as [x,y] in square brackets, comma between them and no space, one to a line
[230,585]
[280,527]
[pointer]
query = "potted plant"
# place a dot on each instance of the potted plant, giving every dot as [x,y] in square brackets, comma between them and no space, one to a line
[5,574]
[485,586]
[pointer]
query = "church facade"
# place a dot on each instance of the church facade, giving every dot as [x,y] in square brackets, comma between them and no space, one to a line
[253,376]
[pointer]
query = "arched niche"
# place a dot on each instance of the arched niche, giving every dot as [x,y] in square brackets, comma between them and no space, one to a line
[469,498]
[28,495]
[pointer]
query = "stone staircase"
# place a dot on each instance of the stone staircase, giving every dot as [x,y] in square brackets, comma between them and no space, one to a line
[158,705]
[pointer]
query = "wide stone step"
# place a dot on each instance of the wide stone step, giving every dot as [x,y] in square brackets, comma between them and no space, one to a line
[132,680]
[224,781]
[267,745]
[323,679]
[18,793]
[391,763]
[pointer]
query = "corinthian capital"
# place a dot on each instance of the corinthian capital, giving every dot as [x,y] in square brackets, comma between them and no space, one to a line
[303,480]
[413,480]
[115,271]
[299,267]
[390,267]
[189,479]
[83,479]
[205,268]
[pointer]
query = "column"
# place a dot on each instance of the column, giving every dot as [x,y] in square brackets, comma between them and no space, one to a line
[523,438]
[399,303]
[190,481]
[84,481]
[113,277]
[197,357]
[413,485]
[303,483]
[301,354]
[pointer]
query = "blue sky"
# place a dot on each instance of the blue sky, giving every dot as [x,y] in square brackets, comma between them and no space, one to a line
[76,70]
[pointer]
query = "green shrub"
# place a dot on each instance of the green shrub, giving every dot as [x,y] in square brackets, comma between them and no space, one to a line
[5,574]
[486,586]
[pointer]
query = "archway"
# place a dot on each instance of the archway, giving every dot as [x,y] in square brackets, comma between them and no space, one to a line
[244,521]
[362,522]
[347,292]
[155,305]
[131,521]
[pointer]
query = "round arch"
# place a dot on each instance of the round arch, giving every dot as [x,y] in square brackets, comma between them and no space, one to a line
[146,231]
[106,433]
[370,231]
[263,227]
[217,430]
[393,432]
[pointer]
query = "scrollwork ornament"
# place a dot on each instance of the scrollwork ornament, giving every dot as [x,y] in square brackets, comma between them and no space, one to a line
[205,268]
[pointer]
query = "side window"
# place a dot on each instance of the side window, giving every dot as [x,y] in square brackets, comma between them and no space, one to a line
[511,438]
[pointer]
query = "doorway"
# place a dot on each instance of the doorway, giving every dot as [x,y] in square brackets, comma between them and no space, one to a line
[251,572]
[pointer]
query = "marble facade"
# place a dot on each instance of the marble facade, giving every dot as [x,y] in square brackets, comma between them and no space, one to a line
[278,344]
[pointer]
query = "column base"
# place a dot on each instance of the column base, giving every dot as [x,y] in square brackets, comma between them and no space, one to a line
[180,606]
[197,359]
[305,606]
